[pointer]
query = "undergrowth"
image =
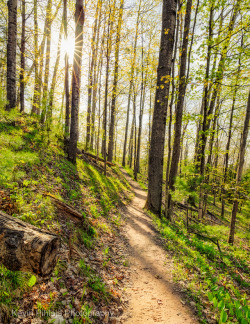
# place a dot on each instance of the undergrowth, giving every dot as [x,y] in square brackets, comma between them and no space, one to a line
[217,281]
[31,171]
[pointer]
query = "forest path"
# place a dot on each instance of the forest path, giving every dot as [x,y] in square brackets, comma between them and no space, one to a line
[153,298]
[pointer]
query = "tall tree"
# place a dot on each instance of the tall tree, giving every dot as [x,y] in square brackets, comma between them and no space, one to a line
[243,145]
[22,72]
[11,54]
[115,82]
[91,71]
[47,63]
[66,77]
[156,153]
[131,84]
[76,81]
[179,108]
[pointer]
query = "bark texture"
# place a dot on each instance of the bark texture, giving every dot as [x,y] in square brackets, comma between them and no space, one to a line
[76,81]
[22,72]
[11,54]
[156,153]
[179,107]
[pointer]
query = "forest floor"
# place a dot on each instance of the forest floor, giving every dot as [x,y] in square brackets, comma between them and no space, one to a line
[153,297]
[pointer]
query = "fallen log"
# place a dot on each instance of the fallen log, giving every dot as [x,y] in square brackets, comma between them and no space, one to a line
[92,162]
[67,208]
[24,247]
[97,158]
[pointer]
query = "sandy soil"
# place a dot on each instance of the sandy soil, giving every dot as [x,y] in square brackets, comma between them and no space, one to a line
[153,298]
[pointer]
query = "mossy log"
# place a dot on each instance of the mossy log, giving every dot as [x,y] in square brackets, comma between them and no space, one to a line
[24,247]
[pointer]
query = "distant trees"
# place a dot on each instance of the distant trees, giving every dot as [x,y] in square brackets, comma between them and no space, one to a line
[186,87]
[11,54]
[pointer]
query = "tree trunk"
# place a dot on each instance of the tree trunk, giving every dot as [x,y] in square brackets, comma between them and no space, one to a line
[11,54]
[171,109]
[156,153]
[91,73]
[105,109]
[95,84]
[131,86]
[76,81]
[53,83]
[24,247]
[142,102]
[226,161]
[66,77]
[114,90]
[179,108]
[47,64]
[22,72]
[243,145]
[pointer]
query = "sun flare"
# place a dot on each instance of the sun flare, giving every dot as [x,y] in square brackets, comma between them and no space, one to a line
[68,45]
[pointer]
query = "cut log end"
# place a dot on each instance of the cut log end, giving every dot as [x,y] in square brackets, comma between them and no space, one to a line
[24,247]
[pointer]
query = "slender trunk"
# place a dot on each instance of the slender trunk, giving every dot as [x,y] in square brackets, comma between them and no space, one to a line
[131,86]
[76,80]
[35,107]
[142,102]
[131,146]
[215,93]
[22,72]
[179,109]
[91,73]
[39,53]
[53,83]
[66,77]
[243,145]
[47,64]
[99,102]
[11,54]
[226,160]
[115,82]
[95,85]
[105,110]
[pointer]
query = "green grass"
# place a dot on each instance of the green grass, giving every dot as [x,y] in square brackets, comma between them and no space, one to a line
[29,170]
[12,286]
[94,281]
[217,281]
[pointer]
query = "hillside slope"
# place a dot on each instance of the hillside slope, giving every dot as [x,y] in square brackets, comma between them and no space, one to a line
[86,285]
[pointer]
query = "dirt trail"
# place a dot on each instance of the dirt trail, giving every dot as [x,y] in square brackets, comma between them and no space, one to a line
[153,298]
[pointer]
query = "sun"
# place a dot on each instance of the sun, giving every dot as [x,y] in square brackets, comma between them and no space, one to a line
[68,45]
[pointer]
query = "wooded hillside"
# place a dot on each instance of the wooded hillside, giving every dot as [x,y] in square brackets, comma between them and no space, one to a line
[160,88]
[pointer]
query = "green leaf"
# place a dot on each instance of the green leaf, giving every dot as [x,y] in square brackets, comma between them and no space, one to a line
[215,301]
[244,321]
[221,305]
[223,317]
[32,281]
[210,296]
